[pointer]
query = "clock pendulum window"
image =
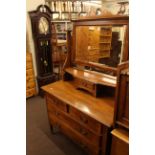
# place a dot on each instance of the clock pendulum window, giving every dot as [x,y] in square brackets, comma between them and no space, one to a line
[41,29]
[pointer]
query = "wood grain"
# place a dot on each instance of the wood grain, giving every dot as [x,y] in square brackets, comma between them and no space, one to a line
[100,109]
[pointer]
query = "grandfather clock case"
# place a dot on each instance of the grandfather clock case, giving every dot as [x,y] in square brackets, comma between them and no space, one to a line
[41,29]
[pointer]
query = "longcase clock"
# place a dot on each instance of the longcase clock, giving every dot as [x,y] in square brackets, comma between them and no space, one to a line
[41,29]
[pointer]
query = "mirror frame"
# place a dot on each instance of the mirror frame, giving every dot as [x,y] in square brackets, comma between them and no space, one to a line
[116,20]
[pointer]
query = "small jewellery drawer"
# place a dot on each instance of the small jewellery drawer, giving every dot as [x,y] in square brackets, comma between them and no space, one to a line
[86,120]
[29,72]
[29,65]
[53,101]
[86,85]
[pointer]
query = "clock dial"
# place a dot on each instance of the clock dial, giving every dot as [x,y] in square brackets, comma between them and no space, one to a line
[43,26]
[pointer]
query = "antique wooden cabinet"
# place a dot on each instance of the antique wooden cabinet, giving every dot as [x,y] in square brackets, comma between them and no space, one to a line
[81,105]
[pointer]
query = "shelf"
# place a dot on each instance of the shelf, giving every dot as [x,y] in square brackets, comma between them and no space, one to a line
[92,76]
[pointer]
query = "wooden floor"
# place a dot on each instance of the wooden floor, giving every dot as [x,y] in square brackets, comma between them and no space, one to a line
[39,139]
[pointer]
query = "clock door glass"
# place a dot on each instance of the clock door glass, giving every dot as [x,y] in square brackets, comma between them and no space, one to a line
[43,26]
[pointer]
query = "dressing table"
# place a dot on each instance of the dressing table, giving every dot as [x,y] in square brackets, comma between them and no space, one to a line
[81,105]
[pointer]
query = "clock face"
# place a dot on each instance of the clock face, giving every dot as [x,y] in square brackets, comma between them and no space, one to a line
[43,26]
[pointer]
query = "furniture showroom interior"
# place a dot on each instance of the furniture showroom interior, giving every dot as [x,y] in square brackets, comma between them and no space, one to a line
[77,77]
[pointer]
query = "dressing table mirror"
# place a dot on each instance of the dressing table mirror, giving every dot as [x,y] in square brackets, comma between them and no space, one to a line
[98,46]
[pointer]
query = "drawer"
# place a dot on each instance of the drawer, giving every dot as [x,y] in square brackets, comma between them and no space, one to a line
[30,85]
[29,72]
[80,83]
[53,101]
[30,92]
[78,139]
[86,133]
[89,122]
[86,145]
[29,65]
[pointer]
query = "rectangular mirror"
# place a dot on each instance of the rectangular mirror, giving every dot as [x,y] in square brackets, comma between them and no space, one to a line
[100,44]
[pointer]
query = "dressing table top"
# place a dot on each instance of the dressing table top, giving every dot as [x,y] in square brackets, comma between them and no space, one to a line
[101,109]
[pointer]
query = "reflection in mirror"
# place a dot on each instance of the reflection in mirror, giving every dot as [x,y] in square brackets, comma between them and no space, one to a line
[100,44]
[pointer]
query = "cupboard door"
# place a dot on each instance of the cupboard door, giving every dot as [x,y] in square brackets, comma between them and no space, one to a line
[122,117]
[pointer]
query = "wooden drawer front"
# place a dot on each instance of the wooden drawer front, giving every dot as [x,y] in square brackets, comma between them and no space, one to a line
[90,123]
[95,139]
[29,65]
[77,138]
[30,92]
[30,85]
[79,83]
[29,72]
[91,149]
[53,101]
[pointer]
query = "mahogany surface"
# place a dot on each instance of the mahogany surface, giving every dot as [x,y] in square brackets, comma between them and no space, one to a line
[100,109]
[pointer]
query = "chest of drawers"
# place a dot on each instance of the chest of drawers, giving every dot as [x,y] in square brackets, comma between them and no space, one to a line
[76,114]
[30,79]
